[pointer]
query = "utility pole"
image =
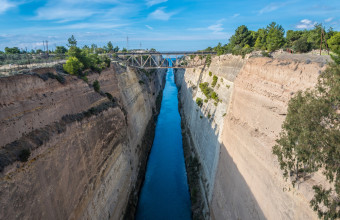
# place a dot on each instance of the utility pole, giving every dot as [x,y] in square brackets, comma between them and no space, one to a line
[47,48]
[325,41]
[127,42]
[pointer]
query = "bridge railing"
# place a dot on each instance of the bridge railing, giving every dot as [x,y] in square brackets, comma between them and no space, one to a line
[151,60]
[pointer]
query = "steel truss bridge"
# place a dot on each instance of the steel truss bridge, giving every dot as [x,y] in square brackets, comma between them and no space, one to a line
[164,60]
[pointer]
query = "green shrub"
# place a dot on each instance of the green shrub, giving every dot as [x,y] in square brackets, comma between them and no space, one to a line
[73,66]
[302,46]
[206,90]
[24,155]
[208,60]
[210,73]
[215,78]
[96,86]
[60,78]
[265,54]
[334,42]
[214,96]
[106,61]
[109,96]
[199,102]
[85,78]
[205,100]
[228,86]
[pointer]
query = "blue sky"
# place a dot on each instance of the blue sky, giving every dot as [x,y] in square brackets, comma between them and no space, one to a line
[161,24]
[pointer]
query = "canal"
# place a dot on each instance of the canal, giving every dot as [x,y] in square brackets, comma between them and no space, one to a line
[165,193]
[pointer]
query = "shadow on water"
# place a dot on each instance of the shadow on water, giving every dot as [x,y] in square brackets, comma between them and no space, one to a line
[165,193]
[232,197]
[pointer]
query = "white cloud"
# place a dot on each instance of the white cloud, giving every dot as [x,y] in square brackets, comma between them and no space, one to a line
[78,10]
[216,29]
[235,15]
[329,19]
[305,24]
[160,14]
[6,5]
[149,27]
[150,3]
[272,7]
[63,13]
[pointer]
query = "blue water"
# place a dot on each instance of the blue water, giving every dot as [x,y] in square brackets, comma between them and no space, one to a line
[165,193]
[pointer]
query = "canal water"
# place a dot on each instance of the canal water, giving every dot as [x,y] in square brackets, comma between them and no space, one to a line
[165,193]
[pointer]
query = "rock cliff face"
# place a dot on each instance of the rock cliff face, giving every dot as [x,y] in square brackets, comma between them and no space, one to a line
[88,149]
[239,176]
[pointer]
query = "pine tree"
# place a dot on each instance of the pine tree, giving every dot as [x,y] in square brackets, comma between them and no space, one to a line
[275,39]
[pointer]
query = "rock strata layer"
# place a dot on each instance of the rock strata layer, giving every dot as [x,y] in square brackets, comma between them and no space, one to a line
[88,149]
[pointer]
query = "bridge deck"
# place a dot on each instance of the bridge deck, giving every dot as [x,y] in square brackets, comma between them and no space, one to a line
[168,53]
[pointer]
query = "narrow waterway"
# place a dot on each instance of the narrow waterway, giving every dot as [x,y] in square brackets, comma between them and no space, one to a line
[165,193]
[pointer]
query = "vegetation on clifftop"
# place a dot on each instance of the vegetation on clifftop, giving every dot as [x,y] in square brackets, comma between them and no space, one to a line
[273,38]
[82,59]
[310,140]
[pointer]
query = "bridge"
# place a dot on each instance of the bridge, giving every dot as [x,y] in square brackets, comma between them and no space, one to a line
[165,60]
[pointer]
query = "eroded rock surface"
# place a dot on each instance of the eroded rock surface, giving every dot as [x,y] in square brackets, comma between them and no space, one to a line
[240,177]
[86,160]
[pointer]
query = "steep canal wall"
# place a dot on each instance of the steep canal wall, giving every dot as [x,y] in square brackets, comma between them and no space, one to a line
[88,150]
[232,138]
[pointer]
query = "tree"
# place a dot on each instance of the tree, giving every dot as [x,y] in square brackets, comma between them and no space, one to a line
[241,37]
[105,49]
[301,45]
[100,50]
[74,52]
[124,50]
[314,36]
[94,48]
[39,51]
[293,36]
[72,42]
[334,42]
[330,33]
[275,39]
[13,50]
[260,42]
[109,47]
[310,140]
[73,66]
[116,49]
[60,50]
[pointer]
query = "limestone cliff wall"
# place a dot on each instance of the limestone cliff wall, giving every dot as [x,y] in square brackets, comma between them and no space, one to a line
[233,140]
[87,152]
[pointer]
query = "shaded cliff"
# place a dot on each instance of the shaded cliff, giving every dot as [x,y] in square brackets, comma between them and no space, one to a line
[240,177]
[88,149]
